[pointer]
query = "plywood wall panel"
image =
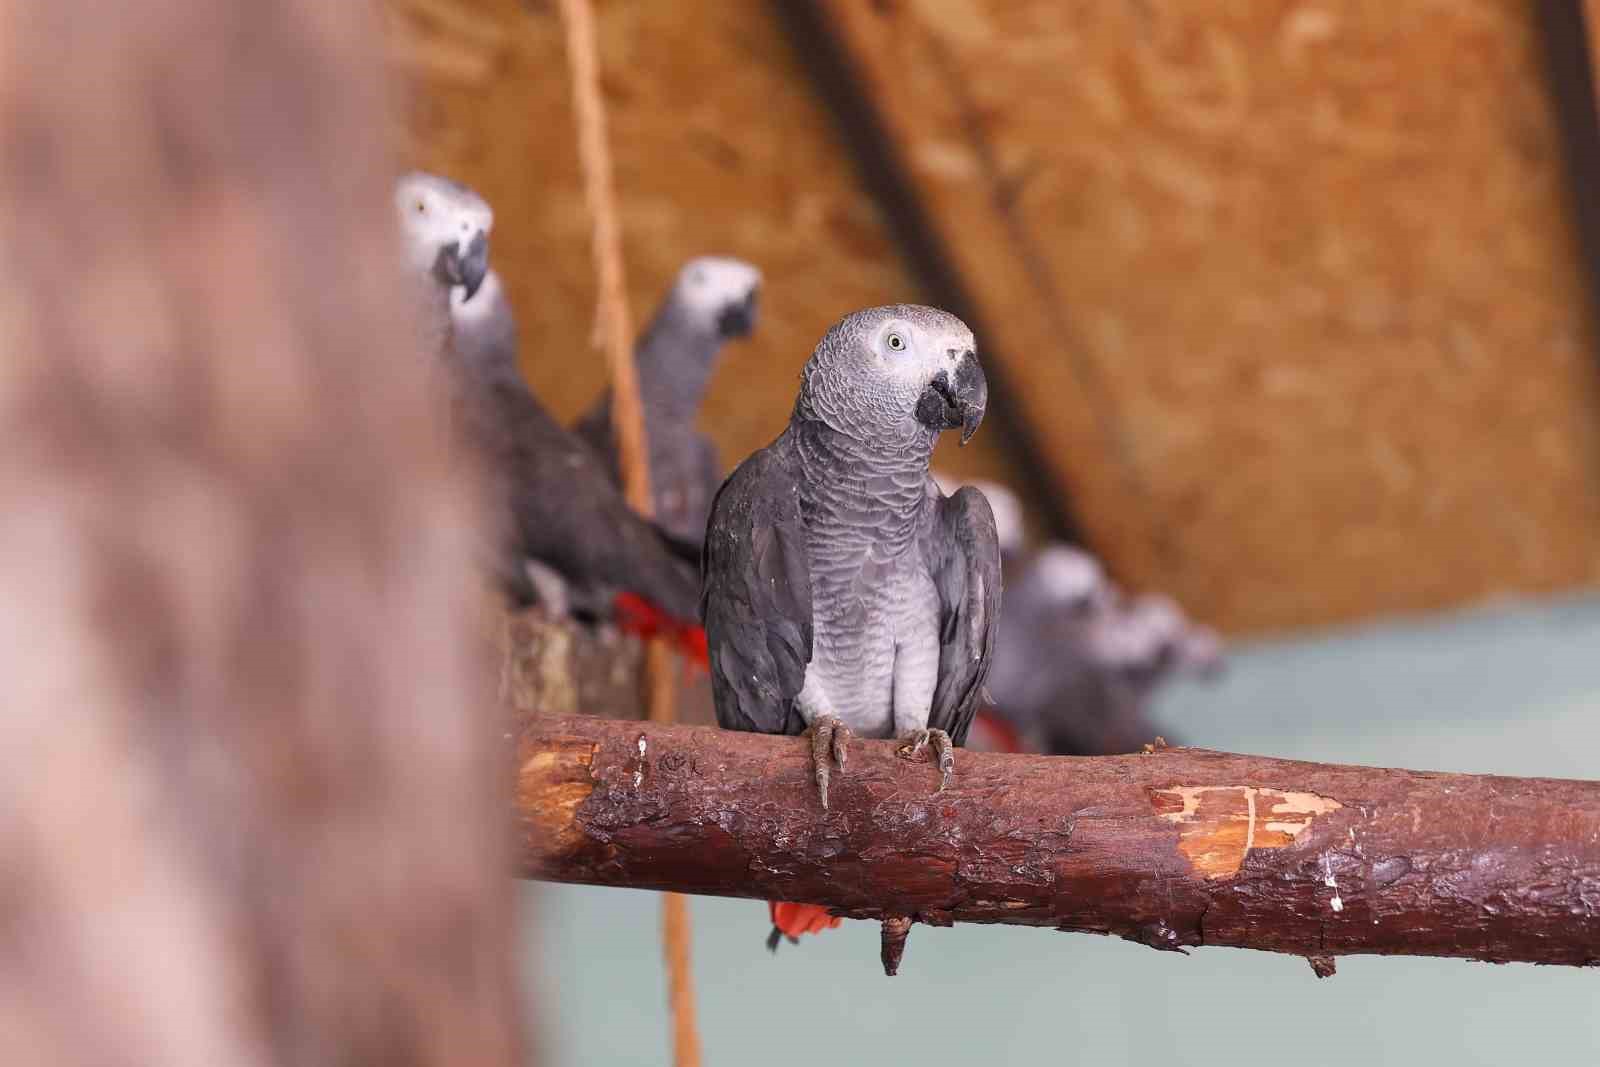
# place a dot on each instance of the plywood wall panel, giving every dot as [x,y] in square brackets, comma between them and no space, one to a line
[1290,289]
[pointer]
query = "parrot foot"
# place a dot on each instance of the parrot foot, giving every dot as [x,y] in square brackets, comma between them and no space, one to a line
[944,751]
[829,737]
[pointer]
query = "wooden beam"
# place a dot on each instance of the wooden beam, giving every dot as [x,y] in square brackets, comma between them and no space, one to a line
[1176,848]
[1571,38]
[1063,402]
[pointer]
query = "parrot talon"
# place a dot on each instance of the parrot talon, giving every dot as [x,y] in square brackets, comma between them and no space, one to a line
[829,737]
[944,755]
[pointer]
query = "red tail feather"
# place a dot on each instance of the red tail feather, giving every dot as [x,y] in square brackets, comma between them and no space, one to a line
[636,615]
[792,920]
[991,732]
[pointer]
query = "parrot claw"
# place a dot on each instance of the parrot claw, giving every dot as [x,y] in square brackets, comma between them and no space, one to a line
[829,737]
[944,753]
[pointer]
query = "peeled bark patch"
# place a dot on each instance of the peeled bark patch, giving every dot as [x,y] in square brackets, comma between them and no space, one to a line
[1222,823]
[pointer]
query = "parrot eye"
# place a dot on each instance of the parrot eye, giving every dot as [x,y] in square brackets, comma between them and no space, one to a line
[422,207]
[895,342]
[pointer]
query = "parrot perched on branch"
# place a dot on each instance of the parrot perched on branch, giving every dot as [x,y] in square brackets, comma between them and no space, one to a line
[844,593]
[567,537]
[713,301]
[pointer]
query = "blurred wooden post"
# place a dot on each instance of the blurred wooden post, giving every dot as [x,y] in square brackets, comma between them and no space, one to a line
[251,809]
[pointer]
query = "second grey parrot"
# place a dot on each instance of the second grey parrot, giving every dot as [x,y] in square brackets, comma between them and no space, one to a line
[712,301]
[1078,661]
[557,509]
[571,539]
[843,591]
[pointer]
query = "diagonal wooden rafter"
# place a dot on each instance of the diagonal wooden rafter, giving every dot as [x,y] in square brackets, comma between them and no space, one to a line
[1089,454]
[1571,31]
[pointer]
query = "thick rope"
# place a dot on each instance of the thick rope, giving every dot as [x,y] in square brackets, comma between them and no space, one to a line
[615,334]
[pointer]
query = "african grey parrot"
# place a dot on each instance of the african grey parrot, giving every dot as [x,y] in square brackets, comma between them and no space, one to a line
[712,301]
[559,512]
[1077,661]
[843,591]
[444,229]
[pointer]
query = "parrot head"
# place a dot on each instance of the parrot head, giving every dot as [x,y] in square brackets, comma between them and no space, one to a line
[1070,578]
[720,292]
[445,226]
[903,370]
[1163,637]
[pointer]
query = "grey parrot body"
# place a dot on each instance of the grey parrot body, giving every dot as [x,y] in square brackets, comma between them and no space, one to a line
[1078,662]
[712,302]
[842,587]
[561,512]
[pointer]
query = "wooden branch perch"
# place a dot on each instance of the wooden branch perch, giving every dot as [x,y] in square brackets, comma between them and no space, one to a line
[1174,848]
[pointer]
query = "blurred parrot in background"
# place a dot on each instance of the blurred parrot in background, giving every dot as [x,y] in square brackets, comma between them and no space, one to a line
[1077,661]
[712,301]
[567,538]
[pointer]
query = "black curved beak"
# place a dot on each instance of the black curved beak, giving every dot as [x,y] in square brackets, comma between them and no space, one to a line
[475,264]
[958,401]
[467,268]
[737,320]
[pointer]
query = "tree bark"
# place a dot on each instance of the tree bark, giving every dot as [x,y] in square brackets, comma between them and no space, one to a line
[1172,848]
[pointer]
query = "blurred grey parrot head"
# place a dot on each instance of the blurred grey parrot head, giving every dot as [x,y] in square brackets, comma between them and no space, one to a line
[445,227]
[720,294]
[900,373]
[1070,578]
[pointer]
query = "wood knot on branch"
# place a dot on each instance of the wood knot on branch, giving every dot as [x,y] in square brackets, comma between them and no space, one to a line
[895,932]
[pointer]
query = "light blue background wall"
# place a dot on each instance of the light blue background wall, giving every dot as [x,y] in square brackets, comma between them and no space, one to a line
[1510,691]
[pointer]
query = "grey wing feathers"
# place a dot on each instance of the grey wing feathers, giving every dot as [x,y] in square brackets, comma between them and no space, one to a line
[594,429]
[706,479]
[964,554]
[756,599]
[567,514]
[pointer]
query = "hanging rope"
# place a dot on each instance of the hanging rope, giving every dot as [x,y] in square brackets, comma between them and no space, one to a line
[615,334]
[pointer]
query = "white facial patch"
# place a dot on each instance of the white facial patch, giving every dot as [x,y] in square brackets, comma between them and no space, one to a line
[1137,636]
[1066,574]
[709,284]
[436,213]
[1159,616]
[911,355]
